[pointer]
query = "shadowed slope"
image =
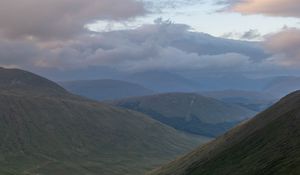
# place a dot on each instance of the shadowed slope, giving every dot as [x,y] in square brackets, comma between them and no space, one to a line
[268,144]
[189,112]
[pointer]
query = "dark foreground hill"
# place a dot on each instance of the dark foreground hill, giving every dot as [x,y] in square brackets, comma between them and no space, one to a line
[105,89]
[189,112]
[269,144]
[47,131]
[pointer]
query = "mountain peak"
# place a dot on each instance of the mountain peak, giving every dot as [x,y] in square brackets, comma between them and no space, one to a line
[18,81]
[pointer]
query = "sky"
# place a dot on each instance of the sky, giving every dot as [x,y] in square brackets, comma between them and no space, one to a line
[251,37]
[206,16]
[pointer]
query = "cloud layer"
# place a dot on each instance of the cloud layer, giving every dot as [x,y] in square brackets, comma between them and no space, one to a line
[50,35]
[286,8]
[60,18]
[285,46]
[161,46]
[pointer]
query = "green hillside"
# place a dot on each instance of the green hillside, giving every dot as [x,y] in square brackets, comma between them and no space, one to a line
[189,112]
[269,144]
[45,130]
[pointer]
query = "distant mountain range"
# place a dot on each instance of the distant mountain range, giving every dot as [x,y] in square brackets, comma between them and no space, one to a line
[163,81]
[229,81]
[105,89]
[281,86]
[189,112]
[46,130]
[119,84]
[253,100]
[268,144]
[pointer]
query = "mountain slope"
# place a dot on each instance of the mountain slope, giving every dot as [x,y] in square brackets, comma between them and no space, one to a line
[268,144]
[105,89]
[48,131]
[189,112]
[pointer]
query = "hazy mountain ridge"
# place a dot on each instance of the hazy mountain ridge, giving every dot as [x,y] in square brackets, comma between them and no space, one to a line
[253,100]
[192,81]
[163,81]
[281,86]
[105,89]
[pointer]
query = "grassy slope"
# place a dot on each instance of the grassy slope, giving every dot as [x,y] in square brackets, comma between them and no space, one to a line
[50,132]
[189,112]
[268,144]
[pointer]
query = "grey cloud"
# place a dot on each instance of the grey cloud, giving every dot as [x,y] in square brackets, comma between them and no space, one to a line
[18,54]
[158,6]
[251,34]
[60,18]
